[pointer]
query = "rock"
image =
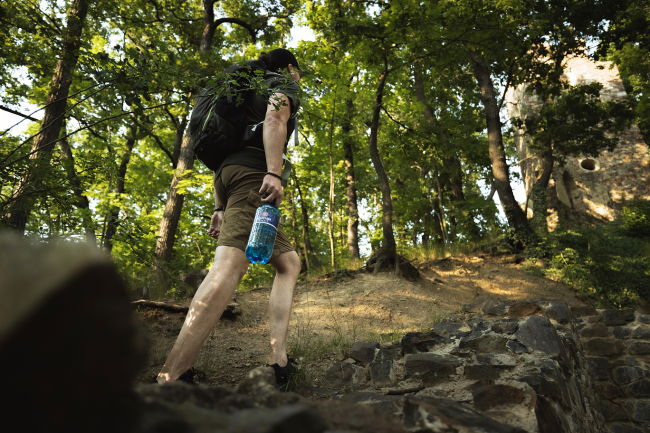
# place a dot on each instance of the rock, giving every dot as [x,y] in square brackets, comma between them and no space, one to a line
[478,325]
[448,328]
[549,418]
[387,355]
[484,343]
[364,352]
[640,389]
[642,412]
[483,303]
[602,346]
[641,332]
[624,428]
[292,418]
[350,361]
[631,361]
[342,375]
[596,330]
[599,367]
[477,372]
[522,309]
[315,393]
[491,396]
[382,373]
[639,348]
[432,415]
[622,332]
[537,333]
[546,387]
[558,311]
[431,367]
[583,310]
[497,360]
[414,342]
[516,347]
[611,411]
[624,375]
[66,322]
[498,310]
[506,326]
[617,317]
[608,390]
[643,318]
[381,403]
[260,381]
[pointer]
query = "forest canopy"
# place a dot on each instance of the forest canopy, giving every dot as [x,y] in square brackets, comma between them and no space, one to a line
[403,138]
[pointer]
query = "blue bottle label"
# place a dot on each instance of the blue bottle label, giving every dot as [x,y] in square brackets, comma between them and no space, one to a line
[263,216]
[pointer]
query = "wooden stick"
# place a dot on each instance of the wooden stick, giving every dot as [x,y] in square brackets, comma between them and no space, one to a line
[404,391]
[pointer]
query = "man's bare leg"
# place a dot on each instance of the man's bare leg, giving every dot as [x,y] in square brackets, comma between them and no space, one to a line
[211,298]
[287,267]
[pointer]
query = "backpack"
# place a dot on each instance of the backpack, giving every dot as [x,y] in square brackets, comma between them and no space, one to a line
[219,121]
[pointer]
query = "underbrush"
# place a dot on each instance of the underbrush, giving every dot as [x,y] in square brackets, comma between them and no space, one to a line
[609,263]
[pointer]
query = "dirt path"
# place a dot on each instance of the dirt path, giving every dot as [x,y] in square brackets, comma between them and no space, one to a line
[331,313]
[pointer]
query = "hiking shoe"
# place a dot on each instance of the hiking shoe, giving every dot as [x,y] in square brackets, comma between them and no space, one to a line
[188,376]
[282,374]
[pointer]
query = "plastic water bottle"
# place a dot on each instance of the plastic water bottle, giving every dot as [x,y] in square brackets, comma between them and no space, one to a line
[262,238]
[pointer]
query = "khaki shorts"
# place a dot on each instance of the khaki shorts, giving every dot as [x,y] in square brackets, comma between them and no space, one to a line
[238,186]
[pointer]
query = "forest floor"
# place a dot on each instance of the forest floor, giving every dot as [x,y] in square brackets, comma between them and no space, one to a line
[330,313]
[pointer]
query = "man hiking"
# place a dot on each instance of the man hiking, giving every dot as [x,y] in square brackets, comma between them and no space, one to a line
[245,180]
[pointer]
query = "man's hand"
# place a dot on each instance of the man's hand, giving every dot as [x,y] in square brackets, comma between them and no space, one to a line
[215,224]
[271,190]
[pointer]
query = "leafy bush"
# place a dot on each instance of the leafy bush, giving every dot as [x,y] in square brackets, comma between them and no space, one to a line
[610,263]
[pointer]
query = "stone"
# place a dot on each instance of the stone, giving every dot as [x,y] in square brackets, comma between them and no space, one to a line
[631,361]
[433,415]
[522,309]
[342,374]
[546,387]
[596,330]
[624,428]
[558,311]
[259,381]
[516,347]
[583,310]
[387,355]
[640,389]
[611,411]
[484,343]
[291,418]
[639,348]
[506,326]
[415,342]
[617,317]
[496,359]
[643,318]
[599,367]
[621,333]
[537,333]
[624,375]
[482,303]
[491,396]
[498,310]
[478,325]
[382,373]
[430,366]
[642,412]
[482,372]
[549,418]
[363,352]
[379,402]
[641,331]
[448,328]
[601,347]
[608,390]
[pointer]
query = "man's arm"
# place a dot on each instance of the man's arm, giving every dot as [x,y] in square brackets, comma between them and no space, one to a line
[274,135]
[217,216]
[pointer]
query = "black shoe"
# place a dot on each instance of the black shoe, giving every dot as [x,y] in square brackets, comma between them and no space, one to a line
[188,376]
[282,374]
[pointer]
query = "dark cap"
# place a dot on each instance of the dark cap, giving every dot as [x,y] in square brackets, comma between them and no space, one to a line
[283,58]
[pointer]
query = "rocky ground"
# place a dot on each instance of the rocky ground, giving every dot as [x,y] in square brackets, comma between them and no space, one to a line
[332,312]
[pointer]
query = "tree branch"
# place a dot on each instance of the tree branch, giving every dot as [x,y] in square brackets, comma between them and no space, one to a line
[9,110]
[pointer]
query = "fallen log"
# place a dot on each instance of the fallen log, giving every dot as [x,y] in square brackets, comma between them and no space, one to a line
[231,312]
[404,391]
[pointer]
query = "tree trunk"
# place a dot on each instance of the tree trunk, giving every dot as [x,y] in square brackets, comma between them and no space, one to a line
[114,213]
[305,230]
[539,191]
[57,99]
[388,250]
[178,139]
[500,170]
[82,204]
[353,210]
[330,208]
